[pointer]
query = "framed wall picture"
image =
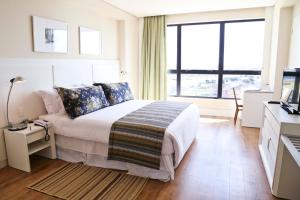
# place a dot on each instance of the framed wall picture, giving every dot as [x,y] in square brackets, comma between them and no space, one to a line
[49,35]
[90,41]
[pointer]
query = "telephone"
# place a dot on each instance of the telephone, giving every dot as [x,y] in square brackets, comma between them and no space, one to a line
[44,124]
[40,122]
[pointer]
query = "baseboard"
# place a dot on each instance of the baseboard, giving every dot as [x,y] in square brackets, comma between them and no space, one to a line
[3,163]
[216,112]
[212,107]
[217,117]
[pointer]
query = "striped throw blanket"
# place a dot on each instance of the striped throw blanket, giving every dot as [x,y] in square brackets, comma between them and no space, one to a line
[138,137]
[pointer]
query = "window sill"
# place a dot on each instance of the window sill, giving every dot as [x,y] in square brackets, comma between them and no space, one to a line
[200,97]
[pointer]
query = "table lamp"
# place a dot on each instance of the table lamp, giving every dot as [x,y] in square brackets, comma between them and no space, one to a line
[16,126]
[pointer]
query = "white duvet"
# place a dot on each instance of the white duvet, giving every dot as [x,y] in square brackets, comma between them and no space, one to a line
[96,126]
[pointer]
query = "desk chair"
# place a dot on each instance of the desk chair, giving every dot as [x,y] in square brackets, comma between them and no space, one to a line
[238,107]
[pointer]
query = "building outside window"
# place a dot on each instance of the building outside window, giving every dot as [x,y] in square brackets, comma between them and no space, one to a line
[209,59]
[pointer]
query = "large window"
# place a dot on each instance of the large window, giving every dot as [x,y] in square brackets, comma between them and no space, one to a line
[209,59]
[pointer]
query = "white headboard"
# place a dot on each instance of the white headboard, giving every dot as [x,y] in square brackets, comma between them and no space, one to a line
[43,74]
[83,72]
[74,74]
[103,73]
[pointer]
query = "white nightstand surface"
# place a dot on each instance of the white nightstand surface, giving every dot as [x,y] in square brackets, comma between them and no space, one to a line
[29,131]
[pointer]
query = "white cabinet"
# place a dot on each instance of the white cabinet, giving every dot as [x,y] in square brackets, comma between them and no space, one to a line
[253,107]
[21,144]
[277,122]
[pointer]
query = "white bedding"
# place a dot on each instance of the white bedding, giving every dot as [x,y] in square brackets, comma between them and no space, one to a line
[96,127]
[91,153]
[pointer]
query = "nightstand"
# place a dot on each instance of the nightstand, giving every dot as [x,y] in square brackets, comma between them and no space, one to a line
[21,144]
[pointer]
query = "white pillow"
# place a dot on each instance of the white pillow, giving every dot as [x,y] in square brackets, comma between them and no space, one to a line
[52,101]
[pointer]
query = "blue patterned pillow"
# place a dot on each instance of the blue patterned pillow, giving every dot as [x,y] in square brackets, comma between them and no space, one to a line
[116,92]
[81,101]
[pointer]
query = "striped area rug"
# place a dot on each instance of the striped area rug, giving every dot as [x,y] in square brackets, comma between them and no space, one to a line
[78,181]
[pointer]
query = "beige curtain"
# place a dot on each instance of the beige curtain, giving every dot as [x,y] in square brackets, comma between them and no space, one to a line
[153,61]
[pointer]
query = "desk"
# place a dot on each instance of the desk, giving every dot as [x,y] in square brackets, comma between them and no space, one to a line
[253,107]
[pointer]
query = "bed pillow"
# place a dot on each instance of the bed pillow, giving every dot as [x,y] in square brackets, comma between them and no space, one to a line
[116,92]
[81,101]
[52,101]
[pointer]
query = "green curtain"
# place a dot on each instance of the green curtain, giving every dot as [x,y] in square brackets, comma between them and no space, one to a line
[153,61]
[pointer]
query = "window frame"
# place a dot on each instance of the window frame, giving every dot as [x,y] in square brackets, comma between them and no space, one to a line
[220,71]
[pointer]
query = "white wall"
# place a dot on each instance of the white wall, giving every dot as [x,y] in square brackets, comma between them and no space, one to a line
[294,59]
[284,50]
[225,107]
[16,31]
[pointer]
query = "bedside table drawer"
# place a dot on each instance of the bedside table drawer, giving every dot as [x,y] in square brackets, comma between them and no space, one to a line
[35,136]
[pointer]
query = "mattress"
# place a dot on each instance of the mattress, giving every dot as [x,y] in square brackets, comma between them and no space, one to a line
[95,127]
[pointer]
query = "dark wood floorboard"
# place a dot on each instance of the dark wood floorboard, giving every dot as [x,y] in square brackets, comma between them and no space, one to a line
[222,163]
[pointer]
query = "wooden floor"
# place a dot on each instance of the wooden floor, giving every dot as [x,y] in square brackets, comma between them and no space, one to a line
[222,163]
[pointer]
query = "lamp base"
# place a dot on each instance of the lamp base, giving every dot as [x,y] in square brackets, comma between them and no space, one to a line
[17,127]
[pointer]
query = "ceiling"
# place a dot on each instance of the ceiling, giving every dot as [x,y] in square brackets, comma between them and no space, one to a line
[142,8]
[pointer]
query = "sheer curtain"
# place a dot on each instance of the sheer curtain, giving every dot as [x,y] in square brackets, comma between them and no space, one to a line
[153,61]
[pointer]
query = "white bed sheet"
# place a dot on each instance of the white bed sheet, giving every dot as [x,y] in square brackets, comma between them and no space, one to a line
[91,153]
[96,127]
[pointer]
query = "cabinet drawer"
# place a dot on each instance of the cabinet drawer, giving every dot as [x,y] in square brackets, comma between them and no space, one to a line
[271,133]
[274,124]
[268,148]
[273,153]
[264,139]
[35,136]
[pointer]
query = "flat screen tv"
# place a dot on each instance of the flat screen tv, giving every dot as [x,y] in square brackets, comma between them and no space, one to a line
[290,89]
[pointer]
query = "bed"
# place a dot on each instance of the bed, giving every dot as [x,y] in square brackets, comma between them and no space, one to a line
[86,138]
